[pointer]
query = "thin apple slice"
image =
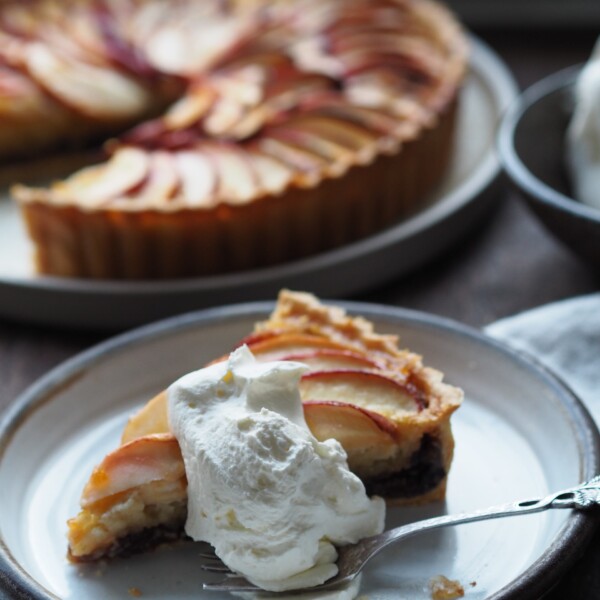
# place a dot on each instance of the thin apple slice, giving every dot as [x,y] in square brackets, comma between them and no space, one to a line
[189,109]
[308,164]
[177,48]
[354,427]
[162,181]
[152,418]
[92,186]
[198,178]
[273,176]
[325,360]
[98,92]
[274,348]
[412,69]
[379,90]
[237,181]
[341,132]
[141,461]
[276,99]
[366,389]
[293,133]
[367,118]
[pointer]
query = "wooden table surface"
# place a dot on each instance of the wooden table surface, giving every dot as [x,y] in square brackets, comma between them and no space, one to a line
[508,265]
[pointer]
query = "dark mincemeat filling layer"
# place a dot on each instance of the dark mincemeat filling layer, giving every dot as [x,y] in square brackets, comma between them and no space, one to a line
[135,543]
[425,472]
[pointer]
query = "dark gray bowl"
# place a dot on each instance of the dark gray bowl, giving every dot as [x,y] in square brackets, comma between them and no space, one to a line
[531,144]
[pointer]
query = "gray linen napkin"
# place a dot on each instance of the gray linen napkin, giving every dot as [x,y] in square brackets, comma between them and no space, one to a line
[565,336]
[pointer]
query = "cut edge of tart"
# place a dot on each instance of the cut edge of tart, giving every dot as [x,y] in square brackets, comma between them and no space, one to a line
[390,413]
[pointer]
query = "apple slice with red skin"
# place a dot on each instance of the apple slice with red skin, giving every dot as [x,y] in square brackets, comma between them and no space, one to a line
[311,142]
[141,461]
[162,181]
[273,348]
[412,69]
[354,427]
[99,92]
[272,175]
[321,360]
[150,419]
[189,109]
[342,132]
[237,182]
[198,178]
[365,389]
[362,116]
[92,186]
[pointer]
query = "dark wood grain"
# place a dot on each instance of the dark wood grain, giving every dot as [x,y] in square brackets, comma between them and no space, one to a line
[508,265]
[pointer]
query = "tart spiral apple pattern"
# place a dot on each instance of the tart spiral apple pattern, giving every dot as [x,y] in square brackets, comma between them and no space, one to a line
[259,132]
[390,413]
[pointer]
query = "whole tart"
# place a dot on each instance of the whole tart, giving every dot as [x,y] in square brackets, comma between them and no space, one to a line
[390,413]
[299,126]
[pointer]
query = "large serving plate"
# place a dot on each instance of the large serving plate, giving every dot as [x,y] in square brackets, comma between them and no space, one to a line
[463,198]
[520,434]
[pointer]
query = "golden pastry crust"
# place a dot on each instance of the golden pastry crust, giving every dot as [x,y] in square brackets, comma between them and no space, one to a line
[311,125]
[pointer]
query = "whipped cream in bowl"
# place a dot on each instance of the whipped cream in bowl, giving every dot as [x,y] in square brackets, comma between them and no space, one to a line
[583,134]
[272,500]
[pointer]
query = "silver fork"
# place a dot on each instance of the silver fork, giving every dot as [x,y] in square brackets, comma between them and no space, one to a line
[353,558]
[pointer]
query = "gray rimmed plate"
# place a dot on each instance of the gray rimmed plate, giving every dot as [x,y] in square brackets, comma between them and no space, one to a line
[532,148]
[521,433]
[465,196]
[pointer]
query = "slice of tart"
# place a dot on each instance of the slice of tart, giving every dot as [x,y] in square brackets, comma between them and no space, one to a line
[390,413]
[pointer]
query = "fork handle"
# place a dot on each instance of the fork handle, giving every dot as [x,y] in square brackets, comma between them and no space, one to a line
[580,497]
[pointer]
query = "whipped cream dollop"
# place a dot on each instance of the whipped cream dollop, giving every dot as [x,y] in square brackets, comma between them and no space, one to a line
[583,134]
[270,498]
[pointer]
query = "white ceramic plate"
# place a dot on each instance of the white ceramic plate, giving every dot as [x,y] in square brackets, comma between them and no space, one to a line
[520,434]
[464,197]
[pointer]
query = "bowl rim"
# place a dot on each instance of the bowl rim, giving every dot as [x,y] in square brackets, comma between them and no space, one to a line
[510,159]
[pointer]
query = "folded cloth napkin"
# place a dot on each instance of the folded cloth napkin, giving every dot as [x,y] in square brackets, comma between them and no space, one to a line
[564,336]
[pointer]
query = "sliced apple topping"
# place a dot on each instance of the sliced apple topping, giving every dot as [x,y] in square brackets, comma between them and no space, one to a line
[190,108]
[237,182]
[98,92]
[354,427]
[162,182]
[311,142]
[141,461]
[364,389]
[277,347]
[273,176]
[379,90]
[177,48]
[326,359]
[356,143]
[308,164]
[151,418]
[279,99]
[344,133]
[197,176]
[374,120]
[93,186]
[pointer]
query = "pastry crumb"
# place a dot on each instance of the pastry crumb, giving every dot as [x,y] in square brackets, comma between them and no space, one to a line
[135,592]
[443,588]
